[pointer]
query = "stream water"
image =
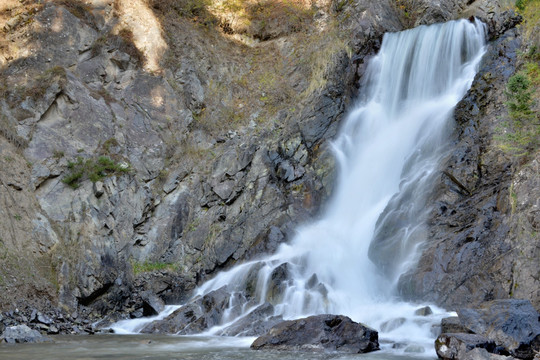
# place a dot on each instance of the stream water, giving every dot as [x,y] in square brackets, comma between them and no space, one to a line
[138,347]
[349,261]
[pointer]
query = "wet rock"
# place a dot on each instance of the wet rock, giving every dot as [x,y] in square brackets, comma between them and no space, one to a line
[423,311]
[22,334]
[456,346]
[414,348]
[453,325]
[320,333]
[252,279]
[483,354]
[512,324]
[137,314]
[256,323]
[278,283]
[500,327]
[200,314]
[312,281]
[392,324]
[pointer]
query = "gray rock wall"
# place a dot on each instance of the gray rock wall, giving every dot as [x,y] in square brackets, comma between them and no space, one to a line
[212,182]
[198,197]
[483,241]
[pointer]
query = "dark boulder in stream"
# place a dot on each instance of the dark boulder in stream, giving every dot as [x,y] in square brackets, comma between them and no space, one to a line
[320,333]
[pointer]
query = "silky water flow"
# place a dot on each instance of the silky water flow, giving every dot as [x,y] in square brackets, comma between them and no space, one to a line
[388,151]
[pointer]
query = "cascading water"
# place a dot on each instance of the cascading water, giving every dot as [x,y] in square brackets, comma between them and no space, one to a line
[388,152]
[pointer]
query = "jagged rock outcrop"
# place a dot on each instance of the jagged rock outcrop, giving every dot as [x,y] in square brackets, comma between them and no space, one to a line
[320,333]
[201,192]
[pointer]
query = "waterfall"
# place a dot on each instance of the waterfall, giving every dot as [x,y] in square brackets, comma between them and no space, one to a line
[348,262]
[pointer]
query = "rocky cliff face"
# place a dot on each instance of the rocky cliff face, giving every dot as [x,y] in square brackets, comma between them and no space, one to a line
[219,133]
[483,240]
[147,144]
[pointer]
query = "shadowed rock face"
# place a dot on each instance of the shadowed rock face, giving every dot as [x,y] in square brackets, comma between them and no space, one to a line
[320,333]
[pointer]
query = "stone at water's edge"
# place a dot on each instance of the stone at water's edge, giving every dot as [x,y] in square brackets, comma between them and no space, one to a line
[22,334]
[510,323]
[457,345]
[320,333]
[453,325]
[499,327]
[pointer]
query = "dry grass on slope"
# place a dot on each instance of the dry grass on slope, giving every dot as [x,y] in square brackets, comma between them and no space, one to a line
[256,60]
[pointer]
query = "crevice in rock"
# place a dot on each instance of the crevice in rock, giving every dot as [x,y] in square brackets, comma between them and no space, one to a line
[457,182]
[87,300]
[53,106]
[45,180]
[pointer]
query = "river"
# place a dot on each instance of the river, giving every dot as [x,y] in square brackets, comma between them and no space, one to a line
[162,347]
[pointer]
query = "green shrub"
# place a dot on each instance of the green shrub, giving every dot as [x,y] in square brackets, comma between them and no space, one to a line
[92,169]
[147,266]
[520,4]
[521,133]
[520,97]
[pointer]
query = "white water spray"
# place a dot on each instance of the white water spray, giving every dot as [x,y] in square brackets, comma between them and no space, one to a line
[388,152]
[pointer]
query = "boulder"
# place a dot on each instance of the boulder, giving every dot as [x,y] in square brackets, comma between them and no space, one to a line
[512,324]
[483,354]
[423,311]
[277,285]
[456,346]
[452,324]
[22,334]
[319,333]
